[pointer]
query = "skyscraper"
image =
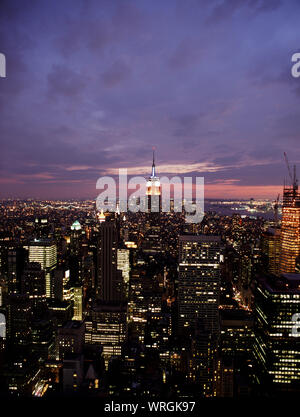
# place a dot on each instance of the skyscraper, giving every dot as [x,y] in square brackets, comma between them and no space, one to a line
[271,243]
[153,192]
[199,281]
[290,228]
[77,303]
[70,338]
[277,345]
[33,281]
[19,323]
[152,237]
[106,326]
[124,263]
[44,251]
[16,259]
[198,302]
[108,277]
[76,255]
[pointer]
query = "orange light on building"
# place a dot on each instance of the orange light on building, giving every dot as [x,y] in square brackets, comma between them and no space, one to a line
[290,230]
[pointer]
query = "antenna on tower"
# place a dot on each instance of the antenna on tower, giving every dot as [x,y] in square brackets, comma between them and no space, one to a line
[153,163]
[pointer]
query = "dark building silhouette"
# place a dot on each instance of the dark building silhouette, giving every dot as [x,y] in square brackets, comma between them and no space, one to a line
[16,259]
[34,281]
[109,278]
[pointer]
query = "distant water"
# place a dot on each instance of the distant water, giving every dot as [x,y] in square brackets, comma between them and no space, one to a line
[229,210]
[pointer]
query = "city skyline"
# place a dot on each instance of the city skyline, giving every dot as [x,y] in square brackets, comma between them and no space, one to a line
[92,89]
[147,305]
[149,203]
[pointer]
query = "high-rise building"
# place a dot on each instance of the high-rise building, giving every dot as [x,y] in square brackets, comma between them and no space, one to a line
[44,251]
[33,281]
[153,191]
[19,323]
[199,281]
[145,299]
[106,326]
[61,311]
[108,277]
[277,341]
[271,242]
[123,263]
[152,233]
[290,229]
[198,301]
[43,338]
[16,259]
[70,338]
[77,303]
[75,258]
[236,334]
[42,228]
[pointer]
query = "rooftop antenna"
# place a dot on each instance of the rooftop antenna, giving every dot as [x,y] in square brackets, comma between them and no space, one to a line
[153,164]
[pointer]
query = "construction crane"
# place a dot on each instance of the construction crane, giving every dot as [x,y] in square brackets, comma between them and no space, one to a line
[293,178]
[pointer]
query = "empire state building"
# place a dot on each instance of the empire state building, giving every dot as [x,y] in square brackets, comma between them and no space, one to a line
[153,192]
[152,240]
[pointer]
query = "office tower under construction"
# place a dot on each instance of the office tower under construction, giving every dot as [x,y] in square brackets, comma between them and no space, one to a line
[290,228]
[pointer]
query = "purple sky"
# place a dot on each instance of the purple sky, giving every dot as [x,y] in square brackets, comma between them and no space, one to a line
[92,86]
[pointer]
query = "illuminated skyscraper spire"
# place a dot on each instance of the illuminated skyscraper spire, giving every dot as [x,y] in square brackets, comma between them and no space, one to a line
[153,189]
[153,166]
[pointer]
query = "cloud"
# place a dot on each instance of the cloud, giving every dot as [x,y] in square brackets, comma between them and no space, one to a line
[93,85]
[117,73]
[99,24]
[63,81]
[176,169]
[186,53]
[186,124]
[226,9]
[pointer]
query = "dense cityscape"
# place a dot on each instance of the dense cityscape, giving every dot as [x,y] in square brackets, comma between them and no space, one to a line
[146,305]
[149,205]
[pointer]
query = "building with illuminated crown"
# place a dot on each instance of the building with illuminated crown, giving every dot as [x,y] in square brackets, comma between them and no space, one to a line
[153,191]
